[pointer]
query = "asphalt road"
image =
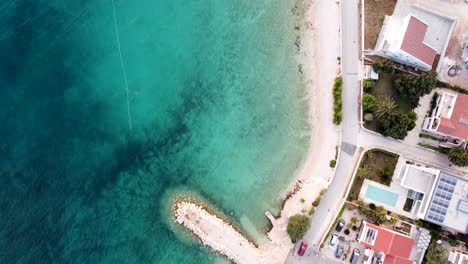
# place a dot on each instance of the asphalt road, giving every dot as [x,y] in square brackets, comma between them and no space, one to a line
[331,201]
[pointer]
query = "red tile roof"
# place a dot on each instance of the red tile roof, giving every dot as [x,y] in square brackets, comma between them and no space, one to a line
[413,41]
[396,260]
[397,247]
[457,125]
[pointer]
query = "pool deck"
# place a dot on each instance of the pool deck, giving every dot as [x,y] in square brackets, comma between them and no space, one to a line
[398,190]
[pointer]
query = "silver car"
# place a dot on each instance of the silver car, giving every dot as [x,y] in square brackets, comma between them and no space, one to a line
[339,251]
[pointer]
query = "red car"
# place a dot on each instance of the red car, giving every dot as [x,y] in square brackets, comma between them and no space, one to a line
[302,249]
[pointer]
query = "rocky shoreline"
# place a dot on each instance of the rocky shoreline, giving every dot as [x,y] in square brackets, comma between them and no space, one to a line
[215,233]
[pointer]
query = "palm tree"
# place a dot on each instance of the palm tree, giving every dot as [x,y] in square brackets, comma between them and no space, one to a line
[364,172]
[384,106]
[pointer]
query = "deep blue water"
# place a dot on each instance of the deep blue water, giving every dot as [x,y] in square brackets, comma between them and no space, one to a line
[217,107]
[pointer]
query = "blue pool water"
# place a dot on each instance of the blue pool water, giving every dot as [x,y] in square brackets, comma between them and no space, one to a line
[382,196]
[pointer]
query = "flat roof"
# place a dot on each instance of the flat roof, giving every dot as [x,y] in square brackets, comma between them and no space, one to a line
[447,203]
[418,178]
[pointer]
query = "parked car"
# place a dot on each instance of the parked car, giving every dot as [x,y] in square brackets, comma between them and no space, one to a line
[340,225]
[339,250]
[355,257]
[302,249]
[333,240]
[377,258]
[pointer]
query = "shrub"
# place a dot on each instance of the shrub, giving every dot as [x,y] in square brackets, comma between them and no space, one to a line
[302,200]
[350,206]
[364,172]
[332,163]
[311,211]
[372,206]
[453,241]
[368,103]
[354,219]
[393,221]
[297,227]
[368,117]
[384,66]
[322,192]
[337,101]
[351,197]
[316,202]
[354,228]
[458,156]
[436,254]
[346,232]
[367,85]
[379,215]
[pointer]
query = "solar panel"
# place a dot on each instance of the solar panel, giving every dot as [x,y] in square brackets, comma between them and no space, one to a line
[463,206]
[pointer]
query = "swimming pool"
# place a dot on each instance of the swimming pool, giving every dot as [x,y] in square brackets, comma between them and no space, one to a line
[380,195]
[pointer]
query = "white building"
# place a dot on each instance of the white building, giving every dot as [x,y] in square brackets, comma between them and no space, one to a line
[402,39]
[414,36]
[438,197]
[457,258]
[449,119]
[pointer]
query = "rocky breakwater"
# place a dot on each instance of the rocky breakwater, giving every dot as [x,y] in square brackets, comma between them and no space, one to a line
[215,233]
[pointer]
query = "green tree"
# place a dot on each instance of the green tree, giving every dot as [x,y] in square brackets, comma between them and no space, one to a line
[413,87]
[364,172]
[379,215]
[297,227]
[384,66]
[397,123]
[368,103]
[384,106]
[436,254]
[368,84]
[458,156]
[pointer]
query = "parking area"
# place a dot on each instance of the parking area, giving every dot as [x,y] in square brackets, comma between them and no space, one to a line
[346,239]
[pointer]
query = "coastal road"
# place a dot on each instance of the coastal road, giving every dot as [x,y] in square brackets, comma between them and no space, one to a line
[331,201]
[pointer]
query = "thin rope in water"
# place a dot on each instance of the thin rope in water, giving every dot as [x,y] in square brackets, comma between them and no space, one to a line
[123,65]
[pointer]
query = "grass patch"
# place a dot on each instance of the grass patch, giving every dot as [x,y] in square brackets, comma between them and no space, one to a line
[375,11]
[384,87]
[382,164]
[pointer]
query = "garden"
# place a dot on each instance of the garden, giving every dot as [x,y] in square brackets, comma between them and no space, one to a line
[388,103]
[376,165]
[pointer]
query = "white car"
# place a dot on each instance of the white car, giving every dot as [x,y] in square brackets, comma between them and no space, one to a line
[333,240]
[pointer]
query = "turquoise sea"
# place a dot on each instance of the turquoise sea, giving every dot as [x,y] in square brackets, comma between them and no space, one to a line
[218,110]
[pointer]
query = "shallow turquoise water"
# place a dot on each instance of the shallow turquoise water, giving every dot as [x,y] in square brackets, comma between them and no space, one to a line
[217,107]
